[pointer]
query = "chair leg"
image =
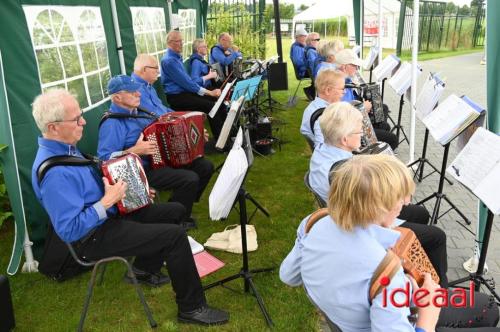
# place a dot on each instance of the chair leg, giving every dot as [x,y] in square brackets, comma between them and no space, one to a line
[90,290]
[101,275]
[147,310]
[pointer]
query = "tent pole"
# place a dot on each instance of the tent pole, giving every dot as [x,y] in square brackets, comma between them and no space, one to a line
[414,60]
[118,37]
[169,6]
[380,32]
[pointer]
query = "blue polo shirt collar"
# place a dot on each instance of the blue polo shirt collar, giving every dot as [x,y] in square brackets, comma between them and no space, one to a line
[174,54]
[58,148]
[117,109]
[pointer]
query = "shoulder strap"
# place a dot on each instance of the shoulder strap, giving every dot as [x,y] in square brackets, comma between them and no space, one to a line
[63,161]
[110,115]
[315,216]
[314,117]
[387,268]
[332,169]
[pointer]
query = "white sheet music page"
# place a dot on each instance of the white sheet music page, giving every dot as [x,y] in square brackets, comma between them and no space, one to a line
[228,123]
[428,97]
[477,167]
[446,121]
[401,81]
[385,68]
[370,58]
[222,96]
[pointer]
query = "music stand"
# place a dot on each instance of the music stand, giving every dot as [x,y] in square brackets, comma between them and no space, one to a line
[478,276]
[245,272]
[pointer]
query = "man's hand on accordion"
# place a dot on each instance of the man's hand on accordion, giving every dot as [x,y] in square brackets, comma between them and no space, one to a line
[143,147]
[152,194]
[206,135]
[368,105]
[113,192]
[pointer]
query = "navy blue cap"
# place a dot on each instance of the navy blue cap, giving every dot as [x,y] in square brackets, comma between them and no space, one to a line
[122,83]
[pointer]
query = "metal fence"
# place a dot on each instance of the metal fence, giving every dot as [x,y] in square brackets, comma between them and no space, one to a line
[243,19]
[440,30]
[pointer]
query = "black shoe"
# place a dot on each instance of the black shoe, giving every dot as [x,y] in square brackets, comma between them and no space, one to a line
[189,223]
[204,316]
[152,279]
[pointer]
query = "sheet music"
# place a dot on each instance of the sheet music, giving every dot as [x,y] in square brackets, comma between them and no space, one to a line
[229,181]
[228,123]
[449,119]
[370,58]
[428,96]
[221,98]
[477,167]
[401,81]
[385,68]
[247,87]
[196,247]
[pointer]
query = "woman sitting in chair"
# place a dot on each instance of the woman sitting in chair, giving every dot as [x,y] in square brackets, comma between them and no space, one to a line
[336,258]
[327,52]
[342,129]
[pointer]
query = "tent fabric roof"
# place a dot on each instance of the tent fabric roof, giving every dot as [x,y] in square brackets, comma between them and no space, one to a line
[325,9]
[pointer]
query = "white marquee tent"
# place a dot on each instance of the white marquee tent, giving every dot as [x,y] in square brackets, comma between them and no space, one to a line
[328,9]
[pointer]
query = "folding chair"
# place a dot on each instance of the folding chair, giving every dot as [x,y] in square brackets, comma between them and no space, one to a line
[102,264]
[310,142]
[292,101]
[318,198]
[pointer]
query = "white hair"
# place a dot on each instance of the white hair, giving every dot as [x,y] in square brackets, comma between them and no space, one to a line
[339,120]
[142,60]
[49,107]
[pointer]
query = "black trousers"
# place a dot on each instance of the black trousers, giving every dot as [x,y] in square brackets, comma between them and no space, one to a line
[384,135]
[187,183]
[194,102]
[479,318]
[151,235]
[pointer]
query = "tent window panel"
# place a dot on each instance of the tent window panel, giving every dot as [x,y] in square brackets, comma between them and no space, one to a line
[187,26]
[88,55]
[77,87]
[58,86]
[94,85]
[105,77]
[49,65]
[70,49]
[149,29]
[72,66]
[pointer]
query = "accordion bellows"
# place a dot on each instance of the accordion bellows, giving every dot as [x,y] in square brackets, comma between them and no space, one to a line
[179,139]
[413,257]
[129,169]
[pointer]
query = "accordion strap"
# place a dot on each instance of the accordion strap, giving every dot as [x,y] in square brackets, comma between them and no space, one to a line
[111,115]
[387,268]
[47,164]
[315,116]
[315,216]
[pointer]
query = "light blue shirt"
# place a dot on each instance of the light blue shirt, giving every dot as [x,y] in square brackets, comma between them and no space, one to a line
[326,65]
[336,267]
[305,127]
[322,159]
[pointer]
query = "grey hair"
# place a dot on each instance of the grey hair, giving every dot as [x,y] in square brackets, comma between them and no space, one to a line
[49,107]
[330,48]
[339,120]
[196,43]
[171,33]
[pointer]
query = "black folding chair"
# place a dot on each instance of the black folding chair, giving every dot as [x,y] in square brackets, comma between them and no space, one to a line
[318,198]
[292,101]
[102,264]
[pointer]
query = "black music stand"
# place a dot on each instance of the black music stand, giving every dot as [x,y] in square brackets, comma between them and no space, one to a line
[478,276]
[398,127]
[246,273]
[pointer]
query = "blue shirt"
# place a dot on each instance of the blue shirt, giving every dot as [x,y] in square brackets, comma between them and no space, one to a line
[348,92]
[117,135]
[310,57]
[199,68]
[336,267]
[322,159]
[174,78]
[297,57]
[217,55]
[325,65]
[149,98]
[305,127]
[69,194]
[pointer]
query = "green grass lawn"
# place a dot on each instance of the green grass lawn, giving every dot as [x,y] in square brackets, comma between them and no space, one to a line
[276,182]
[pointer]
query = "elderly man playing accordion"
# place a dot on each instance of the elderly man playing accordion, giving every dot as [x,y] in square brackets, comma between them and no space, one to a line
[341,125]
[82,210]
[121,130]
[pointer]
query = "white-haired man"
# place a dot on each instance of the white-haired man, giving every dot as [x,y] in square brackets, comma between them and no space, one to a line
[85,215]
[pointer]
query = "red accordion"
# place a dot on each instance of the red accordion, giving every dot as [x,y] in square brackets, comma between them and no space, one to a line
[129,169]
[179,139]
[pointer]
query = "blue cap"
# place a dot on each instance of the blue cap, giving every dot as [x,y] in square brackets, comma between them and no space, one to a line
[122,83]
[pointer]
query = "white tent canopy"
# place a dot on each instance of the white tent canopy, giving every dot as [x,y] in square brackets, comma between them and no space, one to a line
[328,9]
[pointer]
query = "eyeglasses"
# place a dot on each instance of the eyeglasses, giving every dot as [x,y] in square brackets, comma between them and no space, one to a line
[78,120]
[176,41]
[317,39]
[357,133]
[152,67]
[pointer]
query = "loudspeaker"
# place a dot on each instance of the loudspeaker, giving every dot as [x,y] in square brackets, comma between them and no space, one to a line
[278,76]
[7,322]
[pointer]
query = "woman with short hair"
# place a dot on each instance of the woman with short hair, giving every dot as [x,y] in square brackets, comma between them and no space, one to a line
[327,52]
[200,69]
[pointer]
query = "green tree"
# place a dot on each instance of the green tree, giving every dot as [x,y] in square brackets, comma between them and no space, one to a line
[302,8]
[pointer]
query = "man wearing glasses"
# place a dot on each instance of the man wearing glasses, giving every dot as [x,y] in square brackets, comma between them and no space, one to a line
[181,91]
[123,133]
[225,53]
[82,210]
